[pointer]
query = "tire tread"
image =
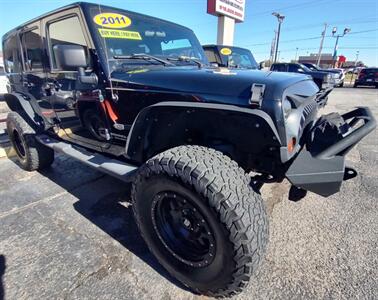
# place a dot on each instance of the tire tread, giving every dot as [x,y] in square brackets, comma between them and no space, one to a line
[226,187]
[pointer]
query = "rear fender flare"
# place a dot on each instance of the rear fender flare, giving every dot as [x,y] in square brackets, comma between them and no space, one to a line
[20,103]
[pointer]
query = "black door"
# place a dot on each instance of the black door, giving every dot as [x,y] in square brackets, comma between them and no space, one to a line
[81,117]
[13,62]
[34,75]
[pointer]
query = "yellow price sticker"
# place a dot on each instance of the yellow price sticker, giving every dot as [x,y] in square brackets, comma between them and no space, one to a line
[112,20]
[226,51]
[119,34]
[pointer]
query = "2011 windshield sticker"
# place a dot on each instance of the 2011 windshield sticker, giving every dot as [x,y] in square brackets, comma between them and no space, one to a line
[226,51]
[119,34]
[112,20]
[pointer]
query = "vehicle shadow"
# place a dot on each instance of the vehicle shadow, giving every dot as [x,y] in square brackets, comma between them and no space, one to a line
[2,272]
[112,213]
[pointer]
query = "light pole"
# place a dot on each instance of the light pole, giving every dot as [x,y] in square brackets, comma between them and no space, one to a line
[280,19]
[321,44]
[296,54]
[334,30]
[357,53]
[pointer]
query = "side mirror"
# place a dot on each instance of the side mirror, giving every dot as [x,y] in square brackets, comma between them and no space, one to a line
[73,58]
[70,57]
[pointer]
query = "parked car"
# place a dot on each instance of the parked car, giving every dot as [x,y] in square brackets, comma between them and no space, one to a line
[323,80]
[145,107]
[230,57]
[368,77]
[4,84]
[337,74]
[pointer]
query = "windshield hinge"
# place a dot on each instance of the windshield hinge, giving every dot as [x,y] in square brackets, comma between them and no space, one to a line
[257,94]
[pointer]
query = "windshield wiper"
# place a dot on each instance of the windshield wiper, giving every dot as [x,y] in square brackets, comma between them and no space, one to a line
[186,59]
[145,57]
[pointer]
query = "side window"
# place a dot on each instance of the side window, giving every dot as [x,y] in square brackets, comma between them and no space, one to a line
[32,50]
[12,55]
[66,32]
[279,68]
[211,56]
[295,68]
[2,72]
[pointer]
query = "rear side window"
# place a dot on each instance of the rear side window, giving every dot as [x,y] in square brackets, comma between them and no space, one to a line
[279,68]
[12,59]
[369,71]
[211,56]
[295,68]
[66,32]
[32,50]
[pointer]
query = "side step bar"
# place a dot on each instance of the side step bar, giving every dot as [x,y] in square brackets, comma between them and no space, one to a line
[112,167]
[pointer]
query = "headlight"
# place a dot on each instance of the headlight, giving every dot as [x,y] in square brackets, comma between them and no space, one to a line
[286,108]
[326,81]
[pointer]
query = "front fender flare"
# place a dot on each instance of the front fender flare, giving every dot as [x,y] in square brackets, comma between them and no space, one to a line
[247,132]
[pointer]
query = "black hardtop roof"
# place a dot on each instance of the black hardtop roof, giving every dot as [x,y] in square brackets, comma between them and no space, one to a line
[83,6]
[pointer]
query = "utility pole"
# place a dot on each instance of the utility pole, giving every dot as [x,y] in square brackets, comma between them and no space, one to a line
[273,47]
[321,44]
[280,19]
[357,53]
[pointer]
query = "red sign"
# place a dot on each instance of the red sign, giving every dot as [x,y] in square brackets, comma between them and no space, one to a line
[230,8]
[342,59]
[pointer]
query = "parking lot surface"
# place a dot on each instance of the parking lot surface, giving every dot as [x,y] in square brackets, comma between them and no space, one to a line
[68,233]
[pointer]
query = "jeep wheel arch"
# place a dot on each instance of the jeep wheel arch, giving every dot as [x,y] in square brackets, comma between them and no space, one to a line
[21,103]
[222,127]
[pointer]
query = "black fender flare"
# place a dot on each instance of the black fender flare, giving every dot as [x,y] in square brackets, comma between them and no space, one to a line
[28,106]
[239,132]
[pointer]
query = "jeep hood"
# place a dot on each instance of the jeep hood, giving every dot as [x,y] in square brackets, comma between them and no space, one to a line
[209,85]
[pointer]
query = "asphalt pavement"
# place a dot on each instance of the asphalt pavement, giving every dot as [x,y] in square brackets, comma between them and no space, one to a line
[68,233]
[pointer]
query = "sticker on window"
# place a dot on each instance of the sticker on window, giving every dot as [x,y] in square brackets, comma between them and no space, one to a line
[112,20]
[119,34]
[226,51]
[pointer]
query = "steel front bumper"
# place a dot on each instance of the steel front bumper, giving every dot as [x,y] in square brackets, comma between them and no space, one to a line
[320,165]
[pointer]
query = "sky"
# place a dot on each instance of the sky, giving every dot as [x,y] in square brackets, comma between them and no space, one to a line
[302,27]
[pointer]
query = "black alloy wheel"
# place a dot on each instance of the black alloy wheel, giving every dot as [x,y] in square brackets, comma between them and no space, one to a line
[183,230]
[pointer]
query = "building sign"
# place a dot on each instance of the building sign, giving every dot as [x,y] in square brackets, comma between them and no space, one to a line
[342,59]
[230,8]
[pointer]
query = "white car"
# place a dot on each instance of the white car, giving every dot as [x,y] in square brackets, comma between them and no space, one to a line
[4,83]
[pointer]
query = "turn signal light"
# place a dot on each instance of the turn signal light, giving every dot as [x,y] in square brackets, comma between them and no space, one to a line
[291,144]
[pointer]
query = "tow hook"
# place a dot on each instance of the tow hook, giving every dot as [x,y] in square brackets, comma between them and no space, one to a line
[349,173]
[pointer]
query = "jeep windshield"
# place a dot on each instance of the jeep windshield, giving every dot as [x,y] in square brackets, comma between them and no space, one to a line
[240,58]
[132,40]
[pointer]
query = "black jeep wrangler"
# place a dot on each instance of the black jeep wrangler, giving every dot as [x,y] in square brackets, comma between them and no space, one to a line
[132,96]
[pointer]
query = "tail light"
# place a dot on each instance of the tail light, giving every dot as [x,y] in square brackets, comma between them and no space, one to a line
[361,75]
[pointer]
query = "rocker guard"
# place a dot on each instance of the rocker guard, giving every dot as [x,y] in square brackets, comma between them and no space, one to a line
[323,172]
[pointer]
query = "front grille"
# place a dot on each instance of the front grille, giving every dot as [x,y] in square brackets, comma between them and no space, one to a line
[309,108]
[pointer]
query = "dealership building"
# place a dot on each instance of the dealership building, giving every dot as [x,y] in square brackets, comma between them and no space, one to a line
[326,59]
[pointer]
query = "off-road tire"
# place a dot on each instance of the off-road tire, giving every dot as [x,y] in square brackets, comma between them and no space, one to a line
[224,191]
[36,155]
